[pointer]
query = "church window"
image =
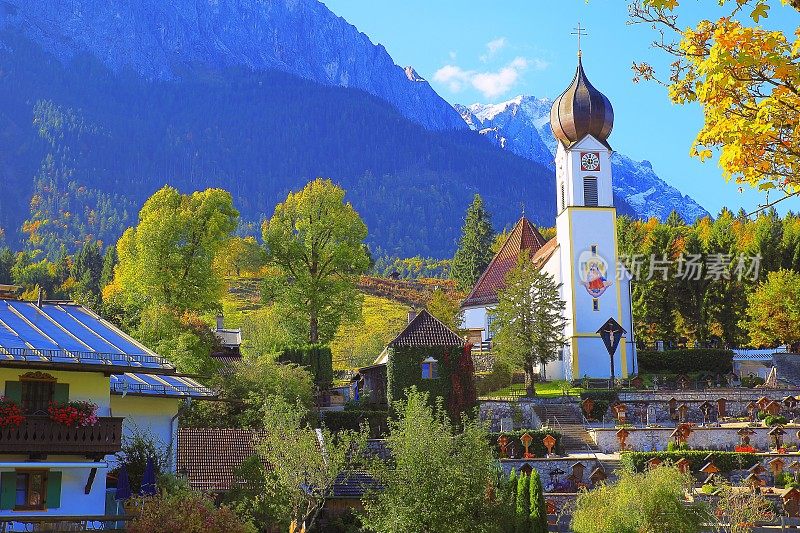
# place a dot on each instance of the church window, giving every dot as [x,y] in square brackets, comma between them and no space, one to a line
[590,192]
[595,304]
[563,197]
[593,248]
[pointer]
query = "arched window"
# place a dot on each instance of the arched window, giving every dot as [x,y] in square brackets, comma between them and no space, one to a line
[590,192]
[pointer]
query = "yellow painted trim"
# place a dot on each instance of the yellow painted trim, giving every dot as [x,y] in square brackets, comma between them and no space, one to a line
[573,296]
[623,353]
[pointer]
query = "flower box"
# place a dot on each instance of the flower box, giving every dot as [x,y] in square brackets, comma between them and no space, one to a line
[73,414]
[10,413]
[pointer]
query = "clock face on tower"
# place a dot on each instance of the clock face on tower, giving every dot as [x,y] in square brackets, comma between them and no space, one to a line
[590,161]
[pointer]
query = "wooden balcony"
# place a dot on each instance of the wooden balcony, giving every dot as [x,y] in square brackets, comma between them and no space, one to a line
[39,435]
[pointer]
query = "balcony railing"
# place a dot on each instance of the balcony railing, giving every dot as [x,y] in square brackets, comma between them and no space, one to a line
[40,435]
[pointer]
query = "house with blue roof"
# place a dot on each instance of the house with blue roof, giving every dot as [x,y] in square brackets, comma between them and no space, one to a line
[72,385]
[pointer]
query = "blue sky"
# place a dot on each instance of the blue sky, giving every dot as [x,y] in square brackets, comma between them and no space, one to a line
[490,51]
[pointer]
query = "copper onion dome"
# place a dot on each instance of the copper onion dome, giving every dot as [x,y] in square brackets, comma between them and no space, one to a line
[581,110]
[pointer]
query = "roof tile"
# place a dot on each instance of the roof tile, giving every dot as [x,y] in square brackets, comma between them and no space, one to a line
[210,456]
[427,330]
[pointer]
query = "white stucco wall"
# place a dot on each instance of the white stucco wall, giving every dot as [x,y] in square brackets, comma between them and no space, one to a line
[150,415]
[475,318]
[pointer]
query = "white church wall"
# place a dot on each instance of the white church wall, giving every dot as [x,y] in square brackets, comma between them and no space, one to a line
[475,318]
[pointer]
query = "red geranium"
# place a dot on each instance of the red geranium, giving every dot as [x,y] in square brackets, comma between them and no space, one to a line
[10,413]
[73,414]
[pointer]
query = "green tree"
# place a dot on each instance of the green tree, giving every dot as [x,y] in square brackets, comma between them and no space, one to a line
[529,320]
[439,476]
[649,502]
[6,262]
[240,254]
[522,524]
[109,262]
[446,308]
[316,240]
[474,247]
[305,463]
[538,505]
[86,270]
[773,311]
[167,258]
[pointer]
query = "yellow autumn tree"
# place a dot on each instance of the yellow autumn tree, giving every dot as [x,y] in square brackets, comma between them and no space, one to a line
[746,79]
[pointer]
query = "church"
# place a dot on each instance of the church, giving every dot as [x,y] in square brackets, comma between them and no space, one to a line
[583,256]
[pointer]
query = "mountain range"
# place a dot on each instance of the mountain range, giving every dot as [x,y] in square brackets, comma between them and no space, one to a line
[104,101]
[522,126]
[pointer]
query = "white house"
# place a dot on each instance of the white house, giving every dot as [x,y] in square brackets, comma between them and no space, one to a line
[583,256]
[52,353]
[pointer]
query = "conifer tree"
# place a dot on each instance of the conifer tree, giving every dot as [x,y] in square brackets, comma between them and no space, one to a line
[537,503]
[523,505]
[109,262]
[529,318]
[474,247]
[510,501]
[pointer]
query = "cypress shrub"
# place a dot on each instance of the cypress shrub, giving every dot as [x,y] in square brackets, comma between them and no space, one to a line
[510,502]
[522,524]
[538,505]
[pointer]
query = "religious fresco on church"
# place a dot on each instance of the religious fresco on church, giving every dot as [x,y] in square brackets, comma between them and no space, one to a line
[593,271]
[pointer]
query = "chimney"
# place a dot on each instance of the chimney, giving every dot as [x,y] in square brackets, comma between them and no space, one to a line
[412,314]
[220,321]
[39,298]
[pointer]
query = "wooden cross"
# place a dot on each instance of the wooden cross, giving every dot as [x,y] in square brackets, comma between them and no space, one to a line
[579,31]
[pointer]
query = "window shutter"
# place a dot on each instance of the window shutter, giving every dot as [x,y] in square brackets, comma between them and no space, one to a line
[14,391]
[8,490]
[53,496]
[590,192]
[61,392]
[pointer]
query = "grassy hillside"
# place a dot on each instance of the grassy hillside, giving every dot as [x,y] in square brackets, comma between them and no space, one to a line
[384,314]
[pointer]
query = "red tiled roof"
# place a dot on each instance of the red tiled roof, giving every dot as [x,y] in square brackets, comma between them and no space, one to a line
[210,456]
[524,236]
[427,330]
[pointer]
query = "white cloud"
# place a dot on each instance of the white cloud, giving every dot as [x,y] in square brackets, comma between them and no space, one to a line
[491,83]
[492,47]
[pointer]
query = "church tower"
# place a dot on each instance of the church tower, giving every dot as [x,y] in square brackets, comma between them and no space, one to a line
[581,119]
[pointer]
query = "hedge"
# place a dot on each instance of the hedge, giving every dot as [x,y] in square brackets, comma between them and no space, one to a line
[316,358]
[351,419]
[725,461]
[716,361]
[498,378]
[537,446]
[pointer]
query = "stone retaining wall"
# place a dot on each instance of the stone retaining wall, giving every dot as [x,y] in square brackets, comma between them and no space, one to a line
[710,438]
[493,411]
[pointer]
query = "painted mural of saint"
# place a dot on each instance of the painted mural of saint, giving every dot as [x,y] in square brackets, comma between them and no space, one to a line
[595,281]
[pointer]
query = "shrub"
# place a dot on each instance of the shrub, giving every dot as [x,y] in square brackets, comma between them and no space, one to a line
[602,401]
[351,419]
[538,505]
[537,446]
[725,461]
[751,381]
[522,524]
[190,512]
[315,357]
[498,378]
[672,446]
[775,420]
[715,361]
[647,502]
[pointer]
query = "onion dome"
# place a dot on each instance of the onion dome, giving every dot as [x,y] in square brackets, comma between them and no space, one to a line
[581,110]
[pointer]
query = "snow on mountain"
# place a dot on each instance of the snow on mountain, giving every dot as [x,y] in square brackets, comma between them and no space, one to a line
[162,40]
[522,126]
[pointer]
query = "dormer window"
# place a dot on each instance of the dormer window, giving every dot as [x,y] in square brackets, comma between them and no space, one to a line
[430,368]
[590,192]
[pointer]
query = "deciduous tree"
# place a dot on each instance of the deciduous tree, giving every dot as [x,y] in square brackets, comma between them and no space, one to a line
[316,240]
[746,79]
[773,311]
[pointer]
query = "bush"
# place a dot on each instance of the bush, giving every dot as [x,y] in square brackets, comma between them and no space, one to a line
[536,448]
[498,378]
[725,461]
[188,512]
[751,382]
[316,357]
[351,419]
[672,446]
[715,361]
[775,420]
[602,401]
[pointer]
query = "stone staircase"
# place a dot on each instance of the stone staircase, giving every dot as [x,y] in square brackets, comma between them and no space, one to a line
[568,420]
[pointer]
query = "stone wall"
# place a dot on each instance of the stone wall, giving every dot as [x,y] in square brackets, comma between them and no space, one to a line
[522,412]
[653,406]
[708,438]
[547,465]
